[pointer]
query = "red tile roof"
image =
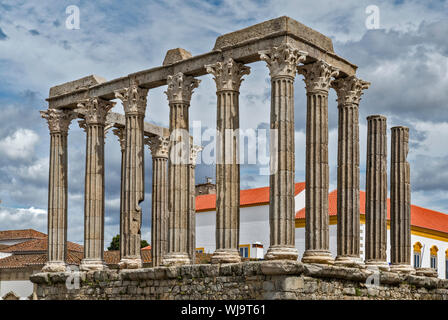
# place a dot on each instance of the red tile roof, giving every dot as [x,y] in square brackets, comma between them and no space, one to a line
[21,234]
[38,245]
[112,258]
[35,259]
[250,197]
[420,217]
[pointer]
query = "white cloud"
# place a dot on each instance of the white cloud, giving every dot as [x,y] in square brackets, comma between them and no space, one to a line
[20,144]
[23,218]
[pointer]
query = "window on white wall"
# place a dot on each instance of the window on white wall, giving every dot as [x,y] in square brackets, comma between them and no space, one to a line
[434,251]
[434,262]
[446,264]
[446,268]
[244,250]
[417,255]
[417,260]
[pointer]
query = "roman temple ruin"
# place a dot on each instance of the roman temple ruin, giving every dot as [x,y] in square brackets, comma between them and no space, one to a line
[288,49]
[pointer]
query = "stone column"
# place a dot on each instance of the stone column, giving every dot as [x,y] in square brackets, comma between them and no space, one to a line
[121,135]
[134,103]
[349,91]
[318,78]
[180,89]
[96,111]
[191,245]
[400,202]
[282,62]
[58,123]
[228,77]
[159,147]
[376,193]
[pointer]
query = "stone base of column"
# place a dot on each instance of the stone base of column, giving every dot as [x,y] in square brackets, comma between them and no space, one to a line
[317,256]
[176,258]
[55,266]
[349,261]
[402,268]
[92,265]
[281,253]
[130,263]
[426,272]
[226,256]
[377,265]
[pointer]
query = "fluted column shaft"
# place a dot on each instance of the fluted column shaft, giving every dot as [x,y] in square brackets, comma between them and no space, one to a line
[376,192]
[282,62]
[228,78]
[318,78]
[121,135]
[94,124]
[349,91]
[400,201]
[58,123]
[134,103]
[227,173]
[180,88]
[159,214]
[191,243]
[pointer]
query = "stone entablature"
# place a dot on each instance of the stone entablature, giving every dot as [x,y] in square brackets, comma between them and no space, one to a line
[248,280]
[242,46]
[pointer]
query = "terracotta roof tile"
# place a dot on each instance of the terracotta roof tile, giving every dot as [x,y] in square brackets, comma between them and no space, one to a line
[250,197]
[112,258]
[38,245]
[21,260]
[21,234]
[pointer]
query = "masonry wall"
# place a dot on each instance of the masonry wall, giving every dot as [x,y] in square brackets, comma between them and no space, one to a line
[247,280]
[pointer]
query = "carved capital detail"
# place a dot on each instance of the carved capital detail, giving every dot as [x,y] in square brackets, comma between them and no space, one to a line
[194,151]
[180,88]
[349,89]
[58,120]
[121,135]
[318,76]
[159,146]
[95,110]
[228,75]
[133,99]
[283,60]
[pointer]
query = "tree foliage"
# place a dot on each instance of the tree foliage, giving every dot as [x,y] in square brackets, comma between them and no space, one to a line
[115,243]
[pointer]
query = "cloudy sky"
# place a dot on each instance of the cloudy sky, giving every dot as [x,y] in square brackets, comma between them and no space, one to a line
[405,59]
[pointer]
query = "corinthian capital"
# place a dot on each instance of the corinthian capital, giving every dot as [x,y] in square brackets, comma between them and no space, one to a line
[283,60]
[95,110]
[194,150]
[318,76]
[159,146]
[180,87]
[133,99]
[349,89]
[228,75]
[58,120]
[121,134]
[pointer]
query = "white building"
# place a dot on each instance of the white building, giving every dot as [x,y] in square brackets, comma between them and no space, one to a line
[429,229]
[16,265]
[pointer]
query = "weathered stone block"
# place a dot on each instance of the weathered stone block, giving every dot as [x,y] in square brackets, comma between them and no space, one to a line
[283,267]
